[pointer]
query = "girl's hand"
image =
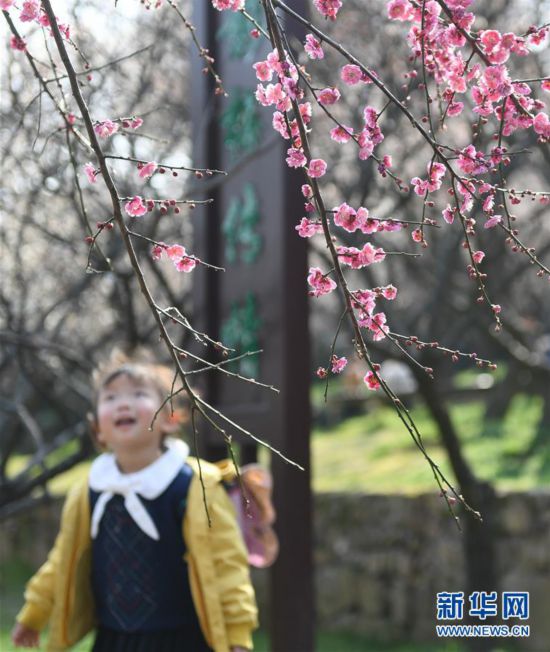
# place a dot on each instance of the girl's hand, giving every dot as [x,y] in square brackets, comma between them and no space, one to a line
[23,636]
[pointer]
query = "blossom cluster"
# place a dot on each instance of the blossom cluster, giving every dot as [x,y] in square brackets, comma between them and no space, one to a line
[364,303]
[183,261]
[233,5]
[106,128]
[31,11]
[441,42]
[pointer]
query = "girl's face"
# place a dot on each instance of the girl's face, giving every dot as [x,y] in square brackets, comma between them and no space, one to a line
[125,410]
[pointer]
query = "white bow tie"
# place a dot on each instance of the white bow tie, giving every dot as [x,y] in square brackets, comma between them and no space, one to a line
[107,479]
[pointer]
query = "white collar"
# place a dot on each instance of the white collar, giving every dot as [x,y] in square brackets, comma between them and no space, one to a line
[107,479]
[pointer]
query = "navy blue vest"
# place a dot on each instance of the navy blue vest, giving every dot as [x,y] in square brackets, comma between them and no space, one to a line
[139,584]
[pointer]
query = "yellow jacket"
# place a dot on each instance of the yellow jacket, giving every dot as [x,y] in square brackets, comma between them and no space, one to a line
[60,593]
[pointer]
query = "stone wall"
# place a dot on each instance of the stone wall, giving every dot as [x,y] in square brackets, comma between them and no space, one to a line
[380,560]
[395,553]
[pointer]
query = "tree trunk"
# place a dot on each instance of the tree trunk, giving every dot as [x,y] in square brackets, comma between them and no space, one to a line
[479,538]
[502,395]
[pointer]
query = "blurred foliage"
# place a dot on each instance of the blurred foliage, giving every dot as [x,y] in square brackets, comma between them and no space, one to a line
[373,452]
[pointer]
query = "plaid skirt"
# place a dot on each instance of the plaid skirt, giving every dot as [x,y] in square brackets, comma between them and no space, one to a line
[179,640]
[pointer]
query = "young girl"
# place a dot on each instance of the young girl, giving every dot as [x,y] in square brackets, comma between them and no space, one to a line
[136,557]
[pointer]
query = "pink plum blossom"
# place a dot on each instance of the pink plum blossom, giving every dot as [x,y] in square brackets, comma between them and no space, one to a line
[478,256]
[389,225]
[30,11]
[351,74]
[358,258]
[306,228]
[263,71]
[328,96]
[65,30]
[377,324]
[328,8]
[321,284]
[371,381]
[279,124]
[541,125]
[292,90]
[17,43]
[186,264]
[389,292]
[91,172]
[317,168]
[106,128]
[471,161]
[537,37]
[295,158]
[338,364]
[488,203]
[341,134]
[135,207]
[179,257]
[399,9]
[495,83]
[313,47]
[175,251]
[366,150]
[147,170]
[346,217]
[370,115]
[305,111]
[158,250]
[493,221]
[436,172]
[417,236]
[233,5]
[366,223]
[365,300]
[6,4]
[370,255]
[273,62]
[448,214]
[455,108]
[274,93]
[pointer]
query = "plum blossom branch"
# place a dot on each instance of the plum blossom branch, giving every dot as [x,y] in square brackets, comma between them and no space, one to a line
[412,340]
[203,52]
[174,314]
[163,245]
[160,166]
[64,114]
[323,285]
[208,412]
[109,64]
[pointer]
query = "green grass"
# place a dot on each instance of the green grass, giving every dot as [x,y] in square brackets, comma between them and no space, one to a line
[375,453]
